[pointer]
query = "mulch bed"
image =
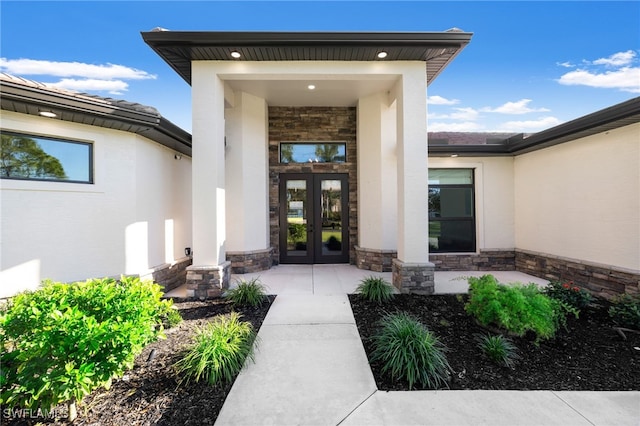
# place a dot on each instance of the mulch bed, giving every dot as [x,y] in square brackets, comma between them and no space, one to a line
[149,394]
[588,355]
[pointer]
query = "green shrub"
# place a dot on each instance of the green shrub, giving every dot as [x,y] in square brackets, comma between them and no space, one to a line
[409,351]
[568,293]
[515,308]
[65,340]
[375,289]
[498,348]
[218,352]
[625,311]
[247,293]
[170,316]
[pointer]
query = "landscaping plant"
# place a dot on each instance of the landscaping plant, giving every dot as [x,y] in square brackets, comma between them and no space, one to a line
[498,348]
[218,352]
[625,311]
[61,342]
[515,308]
[247,293]
[375,289]
[409,351]
[568,293]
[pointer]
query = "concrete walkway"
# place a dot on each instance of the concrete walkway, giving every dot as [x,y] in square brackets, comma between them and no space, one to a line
[311,368]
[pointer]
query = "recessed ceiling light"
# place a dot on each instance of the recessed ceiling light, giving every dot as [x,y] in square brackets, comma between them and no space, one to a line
[49,114]
[235,54]
[382,54]
[454,155]
[311,87]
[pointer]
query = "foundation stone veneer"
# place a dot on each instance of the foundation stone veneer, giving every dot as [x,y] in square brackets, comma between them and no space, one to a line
[208,282]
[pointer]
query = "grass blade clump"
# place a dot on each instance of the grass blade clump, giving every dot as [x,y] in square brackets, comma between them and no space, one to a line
[375,289]
[409,351]
[247,293]
[219,351]
[498,349]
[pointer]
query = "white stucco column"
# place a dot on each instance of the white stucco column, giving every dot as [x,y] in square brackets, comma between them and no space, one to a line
[377,186]
[208,274]
[412,270]
[247,184]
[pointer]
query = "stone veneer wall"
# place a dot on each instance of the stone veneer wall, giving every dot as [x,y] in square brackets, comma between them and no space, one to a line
[602,280]
[375,260]
[245,262]
[486,260]
[312,124]
[170,276]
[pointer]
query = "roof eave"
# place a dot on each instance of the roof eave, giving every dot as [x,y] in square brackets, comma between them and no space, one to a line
[83,109]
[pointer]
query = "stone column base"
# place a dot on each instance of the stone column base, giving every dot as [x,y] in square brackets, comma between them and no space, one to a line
[208,282]
[414,278]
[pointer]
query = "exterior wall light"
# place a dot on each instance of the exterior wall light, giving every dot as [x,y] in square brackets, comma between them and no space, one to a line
[187,251]
[382,54]
[48,114]
[235,54]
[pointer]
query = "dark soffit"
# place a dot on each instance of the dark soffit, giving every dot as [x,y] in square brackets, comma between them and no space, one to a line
[179,48]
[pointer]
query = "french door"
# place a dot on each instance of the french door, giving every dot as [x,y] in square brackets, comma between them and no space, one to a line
[314,222]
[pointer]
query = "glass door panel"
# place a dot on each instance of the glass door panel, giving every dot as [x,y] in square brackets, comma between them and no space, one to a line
[297,227]
[331,216]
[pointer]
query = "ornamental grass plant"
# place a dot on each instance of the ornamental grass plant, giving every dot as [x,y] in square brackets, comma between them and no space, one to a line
[218,352]
[409,351]
[247,293]
[375,289]
[498,348]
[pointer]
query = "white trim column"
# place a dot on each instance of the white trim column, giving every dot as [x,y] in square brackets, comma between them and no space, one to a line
[209,274]
[412,271]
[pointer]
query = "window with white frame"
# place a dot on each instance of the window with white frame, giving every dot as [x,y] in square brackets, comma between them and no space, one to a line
[451,211]
[29,157]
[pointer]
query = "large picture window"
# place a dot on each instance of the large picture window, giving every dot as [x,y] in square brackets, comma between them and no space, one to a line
[451,211]
[329,152]
[40,158]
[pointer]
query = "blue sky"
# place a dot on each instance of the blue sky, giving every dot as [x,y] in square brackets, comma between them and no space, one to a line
[529,66]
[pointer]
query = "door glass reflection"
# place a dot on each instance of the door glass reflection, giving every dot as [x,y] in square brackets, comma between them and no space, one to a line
[331,211]
[296,217]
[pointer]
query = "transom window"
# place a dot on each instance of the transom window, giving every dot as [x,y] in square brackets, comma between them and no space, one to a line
[451,211]
[313,152]
[40,158]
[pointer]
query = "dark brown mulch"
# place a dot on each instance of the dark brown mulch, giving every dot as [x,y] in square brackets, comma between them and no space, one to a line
[588,355]
[149,393]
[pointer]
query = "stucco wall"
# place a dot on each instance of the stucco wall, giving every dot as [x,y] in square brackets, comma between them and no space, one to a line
[581,199]
[136,216]
[494,198]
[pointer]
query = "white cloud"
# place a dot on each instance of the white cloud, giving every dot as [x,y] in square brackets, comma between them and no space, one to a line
[72,69]
[617,71]
[459,114]
[468,126]
[565,64]
[542,123]
[518,107]
[115,87]
[439,100]
[626,79]
[619,59]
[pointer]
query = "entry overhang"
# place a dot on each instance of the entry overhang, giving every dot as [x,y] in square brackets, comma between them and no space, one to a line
[180,48]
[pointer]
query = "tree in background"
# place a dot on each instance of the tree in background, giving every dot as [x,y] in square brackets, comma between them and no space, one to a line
[23,157]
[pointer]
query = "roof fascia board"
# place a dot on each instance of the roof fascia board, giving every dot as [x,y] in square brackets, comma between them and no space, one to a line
[240,38]
[555,134]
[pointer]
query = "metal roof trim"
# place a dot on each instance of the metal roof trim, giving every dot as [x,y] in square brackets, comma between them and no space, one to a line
[138,119]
